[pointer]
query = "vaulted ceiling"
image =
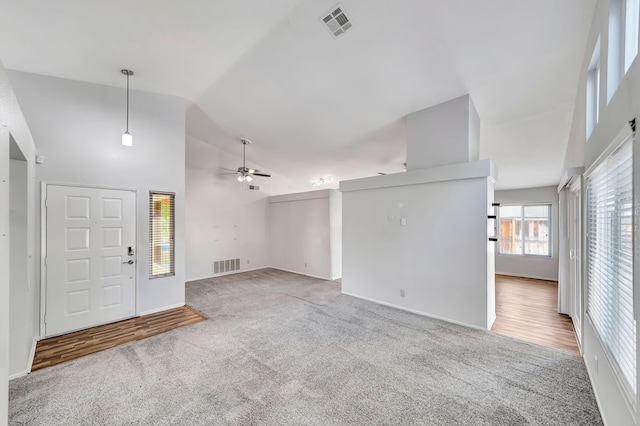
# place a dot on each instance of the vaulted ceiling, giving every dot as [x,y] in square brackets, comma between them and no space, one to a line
[316,105]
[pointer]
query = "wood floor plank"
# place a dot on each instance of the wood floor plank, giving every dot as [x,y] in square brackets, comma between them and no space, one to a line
[527,309]
[74,345]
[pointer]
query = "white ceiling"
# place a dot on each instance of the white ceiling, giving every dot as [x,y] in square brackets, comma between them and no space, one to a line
[319,106]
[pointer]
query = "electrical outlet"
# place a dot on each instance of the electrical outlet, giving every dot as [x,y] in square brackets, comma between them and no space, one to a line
[401,293]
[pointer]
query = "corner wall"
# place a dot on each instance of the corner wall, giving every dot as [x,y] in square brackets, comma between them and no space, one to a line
[21,309]
[78,127]
[224,219]
[305,233]
[540,267]
[14,127]
[438,257]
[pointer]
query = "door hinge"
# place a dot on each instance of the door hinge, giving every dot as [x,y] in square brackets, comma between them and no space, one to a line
[45,318]
[45,261]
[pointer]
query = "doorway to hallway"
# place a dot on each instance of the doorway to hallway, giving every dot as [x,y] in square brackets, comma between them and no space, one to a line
[527,309]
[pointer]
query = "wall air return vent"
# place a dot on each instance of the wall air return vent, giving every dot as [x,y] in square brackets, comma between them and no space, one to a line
[223,266]
[336,21]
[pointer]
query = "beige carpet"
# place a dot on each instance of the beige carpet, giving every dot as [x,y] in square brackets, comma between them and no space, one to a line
[280,348]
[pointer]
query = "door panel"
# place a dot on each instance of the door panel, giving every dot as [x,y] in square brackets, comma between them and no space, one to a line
[89,279]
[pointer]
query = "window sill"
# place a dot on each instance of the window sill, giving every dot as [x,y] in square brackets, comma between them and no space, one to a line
[535,256]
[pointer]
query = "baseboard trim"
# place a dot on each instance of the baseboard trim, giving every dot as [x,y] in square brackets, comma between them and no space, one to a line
[164,308]
[535,277]
[230,273]
[33,353]
[302,273]
[18,375]
[595,394]
[414,311]
[493,320]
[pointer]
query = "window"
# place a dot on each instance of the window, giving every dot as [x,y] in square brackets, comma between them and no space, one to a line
[524,229]
[631,32]
[610,261]
[593,90]
[161,234]
[624,19]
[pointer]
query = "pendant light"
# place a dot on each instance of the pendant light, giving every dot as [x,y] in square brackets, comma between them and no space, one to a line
[127,139]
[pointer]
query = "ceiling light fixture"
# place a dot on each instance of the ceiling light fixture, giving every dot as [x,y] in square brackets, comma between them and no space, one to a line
[127,139]
[321,181]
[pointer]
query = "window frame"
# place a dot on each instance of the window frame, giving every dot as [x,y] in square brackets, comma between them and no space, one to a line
[522,206]
[593,90]
[172,261]
[620,37]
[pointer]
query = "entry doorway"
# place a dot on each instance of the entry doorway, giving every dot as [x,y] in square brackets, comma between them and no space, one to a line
[89,257]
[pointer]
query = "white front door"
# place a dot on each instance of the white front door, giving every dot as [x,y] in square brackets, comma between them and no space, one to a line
[90,257]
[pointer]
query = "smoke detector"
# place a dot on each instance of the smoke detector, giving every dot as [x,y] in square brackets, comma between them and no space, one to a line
[336,21]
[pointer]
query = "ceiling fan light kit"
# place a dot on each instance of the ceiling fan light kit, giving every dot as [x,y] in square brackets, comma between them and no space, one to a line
[245,174]
[321,181]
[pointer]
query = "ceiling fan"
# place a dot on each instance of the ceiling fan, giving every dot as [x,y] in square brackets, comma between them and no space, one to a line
[246,174]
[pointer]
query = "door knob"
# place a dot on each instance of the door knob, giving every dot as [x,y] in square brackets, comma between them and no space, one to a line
[129,262]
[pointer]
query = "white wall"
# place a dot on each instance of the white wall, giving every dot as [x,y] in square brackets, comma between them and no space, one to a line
[541,267]
[21,322]
[78,128]
[224,219]
[447,133]
[491,257]
[624,106]
[304,233]
[440,258]
[12,127]
[4,265]
[335,233]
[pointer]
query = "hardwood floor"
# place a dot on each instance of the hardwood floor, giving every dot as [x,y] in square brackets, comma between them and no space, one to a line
[74,345]
[527,309]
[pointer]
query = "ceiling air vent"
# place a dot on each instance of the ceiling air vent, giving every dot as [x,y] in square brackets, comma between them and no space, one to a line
[337,21]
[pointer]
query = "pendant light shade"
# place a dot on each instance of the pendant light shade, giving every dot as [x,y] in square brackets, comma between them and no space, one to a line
[127,139]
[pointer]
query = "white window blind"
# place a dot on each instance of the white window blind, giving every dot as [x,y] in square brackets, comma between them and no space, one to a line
[610,260]
[161,234]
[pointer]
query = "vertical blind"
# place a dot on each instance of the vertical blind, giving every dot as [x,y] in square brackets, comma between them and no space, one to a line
[161,234]
[610,260]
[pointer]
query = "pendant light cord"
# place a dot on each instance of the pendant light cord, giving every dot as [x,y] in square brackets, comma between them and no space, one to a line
[127,102]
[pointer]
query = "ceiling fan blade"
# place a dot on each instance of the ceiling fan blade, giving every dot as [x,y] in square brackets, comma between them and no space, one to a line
[261,174]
